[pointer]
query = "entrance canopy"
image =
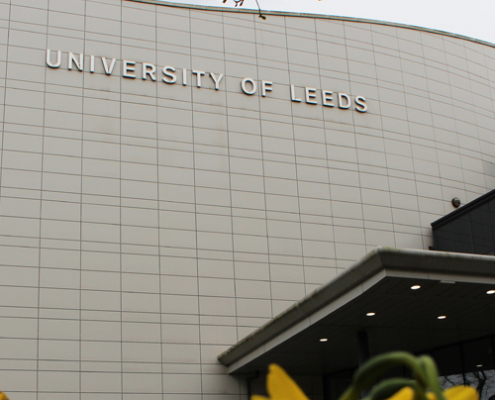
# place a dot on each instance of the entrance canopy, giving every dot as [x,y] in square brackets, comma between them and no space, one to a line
[451,305]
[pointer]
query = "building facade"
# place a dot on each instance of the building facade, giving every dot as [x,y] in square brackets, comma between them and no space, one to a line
[174,177]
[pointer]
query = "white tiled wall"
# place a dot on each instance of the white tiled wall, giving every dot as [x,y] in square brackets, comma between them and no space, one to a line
[146,227]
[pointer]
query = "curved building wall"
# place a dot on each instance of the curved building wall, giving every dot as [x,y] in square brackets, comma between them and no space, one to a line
[145,226]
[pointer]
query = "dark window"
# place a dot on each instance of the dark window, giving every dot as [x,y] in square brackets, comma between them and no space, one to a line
[469,229]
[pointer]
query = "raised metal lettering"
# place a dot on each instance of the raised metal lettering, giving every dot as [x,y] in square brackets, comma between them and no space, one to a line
[344,103]
[244,88]
[171,75]
[57,63]
[149,70]
[216,79]
[127,68]
[361,102]
[108,70]
[266,86]
[327,96]
[79,63]
[198,76]
[310,94]
[293,94]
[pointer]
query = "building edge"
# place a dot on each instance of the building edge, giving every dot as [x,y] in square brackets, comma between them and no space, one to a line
[320,16]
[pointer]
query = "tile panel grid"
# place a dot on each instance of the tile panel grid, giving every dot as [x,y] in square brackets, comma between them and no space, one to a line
[322,273]
[158,224]
[401,160]
[262,304]
[5,33]
[374,194]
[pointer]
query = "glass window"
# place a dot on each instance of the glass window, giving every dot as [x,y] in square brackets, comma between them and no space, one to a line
[478,366]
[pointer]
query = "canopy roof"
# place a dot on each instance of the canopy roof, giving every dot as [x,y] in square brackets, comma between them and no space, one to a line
[454,285]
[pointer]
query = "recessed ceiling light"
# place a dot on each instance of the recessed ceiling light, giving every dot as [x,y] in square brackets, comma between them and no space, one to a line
[442,317]
[370,314]
[323,339]
[490,292]
[415,287]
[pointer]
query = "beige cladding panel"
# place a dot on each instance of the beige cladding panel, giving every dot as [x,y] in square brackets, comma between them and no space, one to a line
[149,222]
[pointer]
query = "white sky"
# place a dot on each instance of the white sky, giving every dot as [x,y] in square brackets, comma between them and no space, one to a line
[474,18]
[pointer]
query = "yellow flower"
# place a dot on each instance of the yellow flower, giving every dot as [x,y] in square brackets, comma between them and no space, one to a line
[3,396]
[458,393]
[281,386]
[453,393]
[405,393]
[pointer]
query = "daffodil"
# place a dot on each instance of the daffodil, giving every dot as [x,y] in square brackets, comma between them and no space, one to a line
[405,393]
[424,386]
[453,393]
[458,393]
[3,396]
[280,386]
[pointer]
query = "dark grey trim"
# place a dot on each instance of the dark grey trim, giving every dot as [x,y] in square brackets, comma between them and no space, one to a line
[464,209]
[320,16]
[414,261]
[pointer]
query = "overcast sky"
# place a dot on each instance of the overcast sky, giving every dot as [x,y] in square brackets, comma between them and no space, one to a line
[474,18]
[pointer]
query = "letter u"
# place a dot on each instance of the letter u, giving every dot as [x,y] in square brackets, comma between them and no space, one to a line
[48,59]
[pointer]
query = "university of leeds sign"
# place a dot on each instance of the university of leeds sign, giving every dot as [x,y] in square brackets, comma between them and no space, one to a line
[147,71]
